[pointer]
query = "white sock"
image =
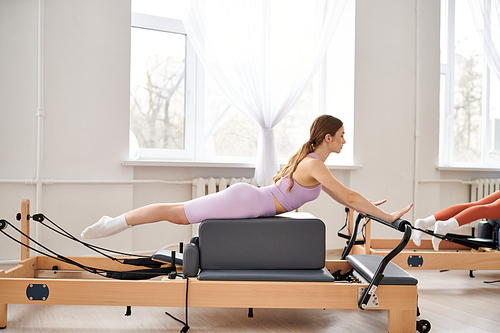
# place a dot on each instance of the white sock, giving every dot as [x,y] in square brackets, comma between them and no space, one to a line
[422,224]
[442,228]
[107,226]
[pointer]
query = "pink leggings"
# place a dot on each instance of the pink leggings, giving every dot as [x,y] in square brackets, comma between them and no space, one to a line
[238,201]
[486,208]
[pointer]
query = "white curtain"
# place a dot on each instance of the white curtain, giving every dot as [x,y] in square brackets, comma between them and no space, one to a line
[262,54]
[486,15]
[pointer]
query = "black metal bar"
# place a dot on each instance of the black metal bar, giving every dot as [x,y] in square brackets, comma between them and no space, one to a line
[350,244]
[399,224]
[379,273]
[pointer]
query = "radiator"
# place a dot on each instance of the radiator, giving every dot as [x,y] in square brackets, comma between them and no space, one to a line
[483,187]
[204,186]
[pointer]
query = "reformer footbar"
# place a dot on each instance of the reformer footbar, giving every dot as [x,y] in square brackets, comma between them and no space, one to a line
[401,225]
[367,267]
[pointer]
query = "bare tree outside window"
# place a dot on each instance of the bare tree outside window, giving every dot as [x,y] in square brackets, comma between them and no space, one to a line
[157,91]
[468,110]
[469,102]
[227,131]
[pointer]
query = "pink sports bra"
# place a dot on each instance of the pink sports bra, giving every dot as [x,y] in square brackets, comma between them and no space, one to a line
[298,196]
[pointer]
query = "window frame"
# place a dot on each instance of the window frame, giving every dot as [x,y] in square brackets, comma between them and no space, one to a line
[193,152]
[447,106]
[162,24]
[447,69]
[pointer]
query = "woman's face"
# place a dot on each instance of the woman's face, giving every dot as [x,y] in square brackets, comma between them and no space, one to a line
[337,141]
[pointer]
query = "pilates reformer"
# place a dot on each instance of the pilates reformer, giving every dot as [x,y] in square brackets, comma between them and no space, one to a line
[49,279]
[457,252]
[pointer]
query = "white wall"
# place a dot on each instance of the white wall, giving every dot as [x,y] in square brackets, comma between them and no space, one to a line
[86,105]
[385,101]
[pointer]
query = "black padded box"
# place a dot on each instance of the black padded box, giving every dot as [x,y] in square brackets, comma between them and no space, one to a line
[288,247]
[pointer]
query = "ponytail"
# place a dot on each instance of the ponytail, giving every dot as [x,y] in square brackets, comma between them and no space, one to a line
[293,162]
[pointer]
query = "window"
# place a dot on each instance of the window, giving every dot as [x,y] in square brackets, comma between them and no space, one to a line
[161,71]
[469,108]
[177,112]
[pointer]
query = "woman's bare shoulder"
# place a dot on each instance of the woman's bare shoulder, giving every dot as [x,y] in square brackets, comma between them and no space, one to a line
[310,161]
[309,166]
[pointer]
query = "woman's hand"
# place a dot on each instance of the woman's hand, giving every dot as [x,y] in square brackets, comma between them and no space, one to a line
[399,213]
[380,202]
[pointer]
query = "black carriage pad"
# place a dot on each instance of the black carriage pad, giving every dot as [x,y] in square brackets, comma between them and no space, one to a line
[282,275]
[367,265]
[262,243]
[281,248]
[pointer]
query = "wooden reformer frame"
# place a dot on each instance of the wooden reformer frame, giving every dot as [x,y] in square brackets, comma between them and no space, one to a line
[64,288]
[451,256]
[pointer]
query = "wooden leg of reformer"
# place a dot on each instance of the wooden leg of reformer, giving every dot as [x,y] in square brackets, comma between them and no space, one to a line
[402,321]
[3,316]
[25,228]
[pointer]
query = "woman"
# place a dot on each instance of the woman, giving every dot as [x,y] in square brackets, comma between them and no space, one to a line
[452,217]
[300,181]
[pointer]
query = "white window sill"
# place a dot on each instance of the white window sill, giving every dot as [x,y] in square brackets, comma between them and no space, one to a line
[468,168]
[191,164]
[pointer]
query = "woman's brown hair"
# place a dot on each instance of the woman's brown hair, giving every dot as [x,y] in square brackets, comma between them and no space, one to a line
[320,127]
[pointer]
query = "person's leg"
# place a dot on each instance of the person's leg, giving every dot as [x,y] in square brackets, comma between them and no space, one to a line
[452,211]
[108,226]
[448,213]
[171,212]
[485,211]
[240,200]
[471,214]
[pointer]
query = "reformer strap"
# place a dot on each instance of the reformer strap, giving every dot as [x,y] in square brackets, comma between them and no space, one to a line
[53,254]
[345,236]
[145,261]
[40,219]
[126,275]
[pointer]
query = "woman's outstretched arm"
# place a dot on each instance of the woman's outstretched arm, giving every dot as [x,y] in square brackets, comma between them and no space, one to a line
[348,197]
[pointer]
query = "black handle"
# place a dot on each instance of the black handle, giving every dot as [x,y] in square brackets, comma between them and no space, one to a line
[399,224]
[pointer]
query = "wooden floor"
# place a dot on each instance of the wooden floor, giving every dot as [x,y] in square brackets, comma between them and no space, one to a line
[451,301]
